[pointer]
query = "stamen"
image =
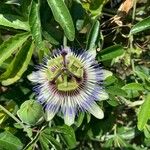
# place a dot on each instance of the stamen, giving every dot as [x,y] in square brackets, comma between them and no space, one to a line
[56,77]
[73,75]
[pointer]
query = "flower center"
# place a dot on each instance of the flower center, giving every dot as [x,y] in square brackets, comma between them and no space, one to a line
[65,72]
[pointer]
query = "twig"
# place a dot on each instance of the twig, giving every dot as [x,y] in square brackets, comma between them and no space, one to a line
[35,139]
[12,116]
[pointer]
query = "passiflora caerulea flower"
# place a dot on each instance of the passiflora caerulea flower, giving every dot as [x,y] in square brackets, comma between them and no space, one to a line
[69,82]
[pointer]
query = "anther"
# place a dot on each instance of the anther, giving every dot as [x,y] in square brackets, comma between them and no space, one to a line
[56,77]
[74,76]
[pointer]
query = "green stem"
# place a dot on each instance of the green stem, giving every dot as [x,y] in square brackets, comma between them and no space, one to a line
[35,139]
[115,129]
[130,52]
[12,116]
[134,10]
[65,42]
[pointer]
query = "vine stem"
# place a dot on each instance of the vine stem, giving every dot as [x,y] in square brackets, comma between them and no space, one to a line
[65,41]
[35,139]
[12,116]
[134,10]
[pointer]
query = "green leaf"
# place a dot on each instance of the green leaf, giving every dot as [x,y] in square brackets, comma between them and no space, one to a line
[18,126]
[147,131]
[128,134]
[44,142]
[46,139]
[142,72]
[132,89]
[10,107]
[63,17]
[119,141]
[68,135]
[19,64]
[108,143]
[15,2]
[6,63]
[16,22]
[93,35]
[35,24]
[30,112]
[88,117]
[112,101]
[110,53]
[110,80]
[94,7]
[9,142]
[141,26]
[144,113]
[116,91]
[53,141]
[49,38]
[9,46]
[132,94]
[133,86]
[80,119]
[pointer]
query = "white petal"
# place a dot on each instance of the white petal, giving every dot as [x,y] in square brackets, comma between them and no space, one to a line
[103,95]
[106,73]
[69,117]
[96,111]
[51,109]
[37,77]
[49,115]
[92,52]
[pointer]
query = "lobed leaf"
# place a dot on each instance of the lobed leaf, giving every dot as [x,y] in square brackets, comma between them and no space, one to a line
[63,17]
[144,113]
[35,24]
[10,107]
[80,119]
[68,136]
[141,26]
[9,46]
[19,65]
[44,142]
[133,86]
[47,139]
[50,38]
[112,100]
[67,133]
[52,141]
[142,72]
[93,35]
[9,142]
[114,90]
[94,7]
[110,53]
[13,21]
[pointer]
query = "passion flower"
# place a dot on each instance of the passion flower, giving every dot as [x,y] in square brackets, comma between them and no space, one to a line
[69,82]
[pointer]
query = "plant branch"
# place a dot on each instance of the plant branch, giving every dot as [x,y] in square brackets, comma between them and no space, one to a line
[12,116]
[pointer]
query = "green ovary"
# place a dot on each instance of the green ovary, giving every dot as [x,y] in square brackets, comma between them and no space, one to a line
[65,82]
